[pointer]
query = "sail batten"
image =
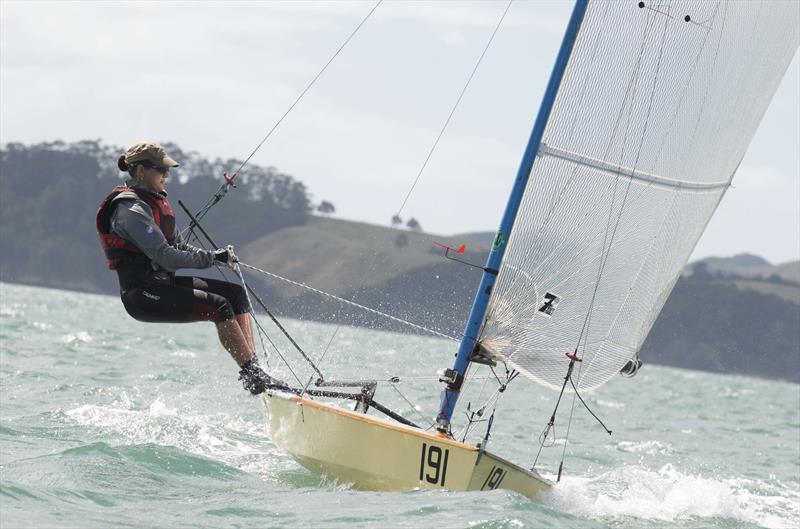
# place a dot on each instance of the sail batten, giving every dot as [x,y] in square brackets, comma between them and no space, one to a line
[650,123]
[629,172]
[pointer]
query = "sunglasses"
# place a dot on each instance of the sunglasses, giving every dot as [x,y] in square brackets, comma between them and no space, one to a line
[151,165]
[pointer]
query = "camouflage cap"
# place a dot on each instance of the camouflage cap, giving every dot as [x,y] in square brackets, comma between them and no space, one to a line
[148,151]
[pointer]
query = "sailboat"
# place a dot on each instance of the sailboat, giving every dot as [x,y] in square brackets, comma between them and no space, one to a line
[647,114]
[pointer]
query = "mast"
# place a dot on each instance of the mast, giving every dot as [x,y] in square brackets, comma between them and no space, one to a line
[454,377]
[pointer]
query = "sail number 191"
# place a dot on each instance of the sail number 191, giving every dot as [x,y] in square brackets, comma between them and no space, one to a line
[433,464]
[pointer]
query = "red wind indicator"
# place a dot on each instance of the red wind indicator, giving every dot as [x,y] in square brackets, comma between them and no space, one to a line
[461,249]
[229,179]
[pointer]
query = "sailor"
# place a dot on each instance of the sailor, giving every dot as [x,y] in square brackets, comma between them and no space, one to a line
[136,225]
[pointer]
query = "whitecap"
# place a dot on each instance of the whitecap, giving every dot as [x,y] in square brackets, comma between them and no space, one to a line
[81,336]
[159,409]
[670,495]
[12,311]
[645,447]
[184,353]
[610,403]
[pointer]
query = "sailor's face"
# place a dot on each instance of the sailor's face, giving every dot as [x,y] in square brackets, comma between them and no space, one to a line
[155,178]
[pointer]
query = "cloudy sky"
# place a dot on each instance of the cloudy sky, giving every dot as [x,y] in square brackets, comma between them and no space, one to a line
[215,77]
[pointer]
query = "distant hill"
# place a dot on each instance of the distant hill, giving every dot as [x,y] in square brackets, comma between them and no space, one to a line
[737,314]
[751,272]
[749,266]
[740,262]
[49,194]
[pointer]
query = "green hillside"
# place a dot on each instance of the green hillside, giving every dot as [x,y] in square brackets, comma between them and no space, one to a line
[338,255]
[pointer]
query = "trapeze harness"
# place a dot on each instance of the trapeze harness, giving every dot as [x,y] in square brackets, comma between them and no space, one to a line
[149,292]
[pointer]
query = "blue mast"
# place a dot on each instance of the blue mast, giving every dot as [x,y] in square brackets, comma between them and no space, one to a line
[455,377]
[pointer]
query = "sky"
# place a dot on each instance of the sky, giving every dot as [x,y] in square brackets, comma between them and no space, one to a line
[215,77]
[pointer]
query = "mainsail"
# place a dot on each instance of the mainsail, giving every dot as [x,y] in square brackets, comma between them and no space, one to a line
[656,109]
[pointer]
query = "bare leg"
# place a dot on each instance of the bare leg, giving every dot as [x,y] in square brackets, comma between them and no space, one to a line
[234,341]
[246,324]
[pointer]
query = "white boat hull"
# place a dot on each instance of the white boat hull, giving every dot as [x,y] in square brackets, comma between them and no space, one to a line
[371,453]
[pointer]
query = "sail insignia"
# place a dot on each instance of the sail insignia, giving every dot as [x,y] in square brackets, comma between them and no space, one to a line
[549,305]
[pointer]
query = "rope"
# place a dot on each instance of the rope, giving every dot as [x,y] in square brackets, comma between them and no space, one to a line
[394,380]
[263,306]
[593,414]
[348,302]
[238,270]
[551,424]
[453,110]
[569,423]
[608,242]
[490,402]
[430,377]
[604,259]
[223,189]
[221,192]
[322,357]
[307,88]
[413,407]
[471,414]
[262,333]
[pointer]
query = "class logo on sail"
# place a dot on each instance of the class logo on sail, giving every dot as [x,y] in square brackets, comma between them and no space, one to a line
[548,307]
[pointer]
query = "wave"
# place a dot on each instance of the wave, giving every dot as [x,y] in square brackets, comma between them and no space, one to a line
[155,458]
[670,495]
[645,447]
[233,441]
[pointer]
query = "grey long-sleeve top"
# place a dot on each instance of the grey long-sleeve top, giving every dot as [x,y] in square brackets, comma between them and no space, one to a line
[133,221]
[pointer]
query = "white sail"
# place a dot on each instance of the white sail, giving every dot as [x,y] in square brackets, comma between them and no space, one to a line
[653,116]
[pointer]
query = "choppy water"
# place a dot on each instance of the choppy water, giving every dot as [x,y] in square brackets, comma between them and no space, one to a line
[106,422]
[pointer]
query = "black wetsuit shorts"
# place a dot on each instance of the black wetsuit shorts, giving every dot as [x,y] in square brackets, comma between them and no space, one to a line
[185,299]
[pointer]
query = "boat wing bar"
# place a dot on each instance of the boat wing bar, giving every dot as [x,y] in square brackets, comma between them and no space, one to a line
[618,170]
[360,397]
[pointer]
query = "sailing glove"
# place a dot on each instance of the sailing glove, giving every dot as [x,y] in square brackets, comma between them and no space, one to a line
[225,256]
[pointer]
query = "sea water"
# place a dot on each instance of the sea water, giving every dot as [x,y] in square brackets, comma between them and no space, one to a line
[107,422]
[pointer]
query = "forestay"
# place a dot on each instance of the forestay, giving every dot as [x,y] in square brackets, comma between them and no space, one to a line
[653,116]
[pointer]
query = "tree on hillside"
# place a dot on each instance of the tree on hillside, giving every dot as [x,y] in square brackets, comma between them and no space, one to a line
[49,193]
[326,208]
[700,271]
[413,225]
[396,221]
[401,241]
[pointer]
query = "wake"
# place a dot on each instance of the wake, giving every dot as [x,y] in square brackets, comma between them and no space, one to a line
[669,495]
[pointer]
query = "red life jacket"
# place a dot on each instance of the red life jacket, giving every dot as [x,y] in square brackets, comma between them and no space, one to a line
[118,250]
